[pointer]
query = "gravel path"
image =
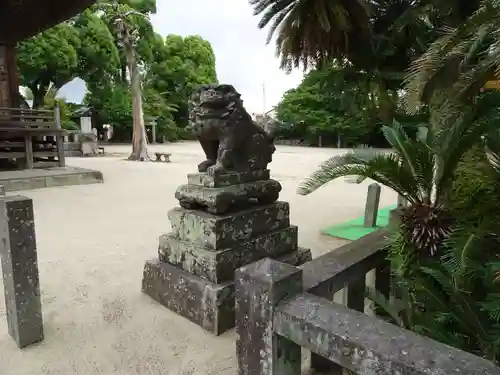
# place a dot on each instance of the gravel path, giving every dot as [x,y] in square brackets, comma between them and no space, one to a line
[92,243]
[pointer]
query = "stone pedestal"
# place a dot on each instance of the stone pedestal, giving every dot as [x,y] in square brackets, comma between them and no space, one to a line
[225,222]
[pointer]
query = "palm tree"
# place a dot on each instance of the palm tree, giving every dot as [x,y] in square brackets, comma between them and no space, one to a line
[377,38]
[458,64]
[420,170]
[313,31]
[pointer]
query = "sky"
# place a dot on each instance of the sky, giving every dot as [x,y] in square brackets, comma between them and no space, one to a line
[242,57]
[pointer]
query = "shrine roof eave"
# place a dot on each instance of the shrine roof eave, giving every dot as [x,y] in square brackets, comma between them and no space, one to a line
[21,19]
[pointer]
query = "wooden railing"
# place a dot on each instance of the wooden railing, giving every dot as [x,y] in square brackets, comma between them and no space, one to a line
[281,308]
[33,136]
[21,117]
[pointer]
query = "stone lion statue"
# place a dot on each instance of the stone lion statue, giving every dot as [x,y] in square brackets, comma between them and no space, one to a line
[229,137]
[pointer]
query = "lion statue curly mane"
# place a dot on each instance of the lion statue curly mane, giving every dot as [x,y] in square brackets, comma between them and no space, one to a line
[232,142]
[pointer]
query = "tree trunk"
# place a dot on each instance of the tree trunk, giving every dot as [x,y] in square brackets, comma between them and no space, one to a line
[387,103]
[39,92]
[139,137]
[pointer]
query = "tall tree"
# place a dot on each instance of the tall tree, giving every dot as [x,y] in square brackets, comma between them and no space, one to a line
[179,65]
[126,22]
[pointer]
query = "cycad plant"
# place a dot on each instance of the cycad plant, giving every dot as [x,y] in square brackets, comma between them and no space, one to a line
[454,299]
[421,170]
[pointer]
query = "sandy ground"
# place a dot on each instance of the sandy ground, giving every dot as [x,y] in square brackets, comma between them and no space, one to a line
[92,244]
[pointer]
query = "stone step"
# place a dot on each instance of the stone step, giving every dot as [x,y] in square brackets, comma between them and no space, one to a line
[219,232]
[219,265]
[209,305]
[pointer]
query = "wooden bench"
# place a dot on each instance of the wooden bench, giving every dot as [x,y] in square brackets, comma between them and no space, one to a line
[162,156]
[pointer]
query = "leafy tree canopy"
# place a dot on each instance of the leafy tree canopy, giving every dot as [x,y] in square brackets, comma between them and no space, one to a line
[82,47]
[180,64]
[327,102]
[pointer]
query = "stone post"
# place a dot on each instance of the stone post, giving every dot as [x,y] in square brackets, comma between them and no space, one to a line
[153,131]
[402,202]
[371,208]
[259,287]
[20,270]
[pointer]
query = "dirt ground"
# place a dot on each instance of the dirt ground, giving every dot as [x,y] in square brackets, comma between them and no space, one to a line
[92,244]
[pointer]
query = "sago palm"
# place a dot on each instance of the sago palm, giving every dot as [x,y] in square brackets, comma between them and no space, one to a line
[421,170]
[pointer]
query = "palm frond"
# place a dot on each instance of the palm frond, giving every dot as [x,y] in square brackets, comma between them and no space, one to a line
[441,294]
[459,62]
[384,168]
[310,32]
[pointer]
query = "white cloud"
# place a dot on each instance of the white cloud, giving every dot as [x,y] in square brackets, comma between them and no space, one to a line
[242,57]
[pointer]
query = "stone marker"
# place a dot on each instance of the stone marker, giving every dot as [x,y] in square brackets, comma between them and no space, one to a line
[402,201]
[20,270]
[372,203]
[229,216]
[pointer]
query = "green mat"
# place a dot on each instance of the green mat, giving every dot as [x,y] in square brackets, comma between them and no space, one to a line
[354,229]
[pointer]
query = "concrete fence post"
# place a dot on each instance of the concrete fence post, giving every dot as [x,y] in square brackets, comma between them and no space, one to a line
[20,270]
[371,207]
[259,287]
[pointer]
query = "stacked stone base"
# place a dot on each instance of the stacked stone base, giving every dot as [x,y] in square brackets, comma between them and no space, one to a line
[193,275]
[207,304]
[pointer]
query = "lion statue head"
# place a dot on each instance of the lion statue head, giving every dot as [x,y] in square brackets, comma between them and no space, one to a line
[210,107]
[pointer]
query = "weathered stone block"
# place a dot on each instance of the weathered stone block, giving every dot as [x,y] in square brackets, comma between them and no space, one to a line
[227,179]
[259,287]
[222,199]
[223,231]
[209,305]
[20,270]
[219,265]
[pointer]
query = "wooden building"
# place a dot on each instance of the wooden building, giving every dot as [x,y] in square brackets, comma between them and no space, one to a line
[28,138]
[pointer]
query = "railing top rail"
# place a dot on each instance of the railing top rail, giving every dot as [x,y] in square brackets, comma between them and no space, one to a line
[27,110]
[330,272]
[367,345]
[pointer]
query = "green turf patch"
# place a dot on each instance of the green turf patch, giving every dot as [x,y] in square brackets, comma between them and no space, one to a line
[354,229]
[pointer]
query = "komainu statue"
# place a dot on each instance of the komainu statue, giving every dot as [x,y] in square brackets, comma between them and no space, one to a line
[232,142]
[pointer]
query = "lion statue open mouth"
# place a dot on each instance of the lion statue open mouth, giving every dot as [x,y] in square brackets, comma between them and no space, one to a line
[229,137]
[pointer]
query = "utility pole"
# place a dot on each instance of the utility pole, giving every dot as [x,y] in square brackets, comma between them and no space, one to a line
[263,98]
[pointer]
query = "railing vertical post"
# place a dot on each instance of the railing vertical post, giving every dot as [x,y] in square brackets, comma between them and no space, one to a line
[259,287]
[356,292]
[371,207]
[59,138]
[383,279]
[20,270]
